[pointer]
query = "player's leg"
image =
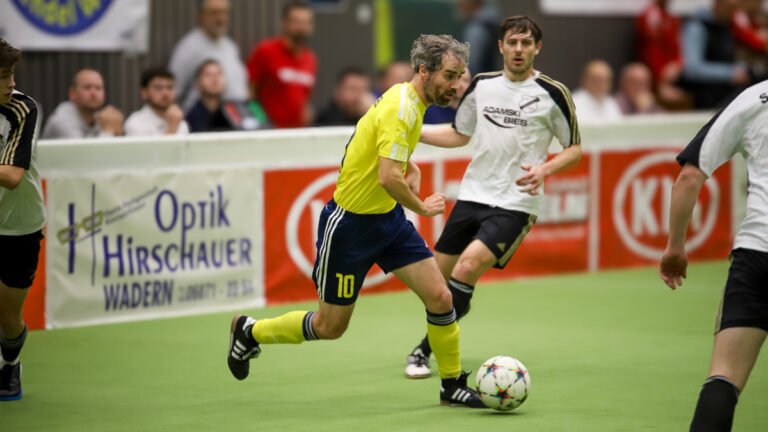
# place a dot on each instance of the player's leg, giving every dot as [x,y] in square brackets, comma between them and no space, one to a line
[459,230]
[424,278]
[742,325]
[13,333]
[733,357]
[338,275]
[18,264]
[476,259]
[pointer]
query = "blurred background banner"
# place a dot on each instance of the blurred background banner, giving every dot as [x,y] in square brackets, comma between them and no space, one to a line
[72,25]
[615,7]
[143,244]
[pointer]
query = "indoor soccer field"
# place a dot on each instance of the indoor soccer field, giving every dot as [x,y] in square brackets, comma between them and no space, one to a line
[610,351]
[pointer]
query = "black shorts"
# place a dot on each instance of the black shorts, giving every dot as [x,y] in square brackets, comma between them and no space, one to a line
[745,298]
[500,229]
[18,259]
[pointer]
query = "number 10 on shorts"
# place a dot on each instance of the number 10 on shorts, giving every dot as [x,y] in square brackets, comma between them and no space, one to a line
[346,285]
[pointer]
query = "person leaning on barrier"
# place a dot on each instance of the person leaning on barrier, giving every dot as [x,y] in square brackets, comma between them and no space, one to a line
[84,114]
[22,217]
[213,113]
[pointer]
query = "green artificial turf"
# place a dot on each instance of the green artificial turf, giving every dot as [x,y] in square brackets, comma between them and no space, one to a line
[610,351]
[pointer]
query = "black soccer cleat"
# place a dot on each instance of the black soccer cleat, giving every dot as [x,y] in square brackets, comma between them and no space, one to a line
[456,393]
[242,346]
[10,382]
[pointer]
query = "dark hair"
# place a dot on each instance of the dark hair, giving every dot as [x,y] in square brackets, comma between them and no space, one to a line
[202,66]
[154,72]
[9,55]
[297,4]
[348,71]
[520,24]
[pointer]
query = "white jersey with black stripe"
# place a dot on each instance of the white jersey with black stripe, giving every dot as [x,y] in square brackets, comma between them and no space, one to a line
[740,127]
[21,209]
[513,124]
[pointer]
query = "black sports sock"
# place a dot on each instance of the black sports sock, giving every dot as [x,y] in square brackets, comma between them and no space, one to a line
[717,401]
[462,294]
[10,348]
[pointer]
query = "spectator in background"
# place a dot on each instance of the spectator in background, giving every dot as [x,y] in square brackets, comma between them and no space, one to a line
[84,114]
[206,115]
[283,69]
[657,40]
[395,72]
[481,31]
[657,34]
[436,114]
[208,41]
[159,115]
[593,100]
[710,70]
[351,99]
[635,94]
[751,33]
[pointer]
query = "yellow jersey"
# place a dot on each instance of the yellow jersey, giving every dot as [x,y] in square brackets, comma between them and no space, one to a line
[391,128]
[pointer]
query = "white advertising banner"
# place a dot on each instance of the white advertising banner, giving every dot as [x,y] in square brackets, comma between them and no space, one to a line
[153,244]
[76,25]
[616,7]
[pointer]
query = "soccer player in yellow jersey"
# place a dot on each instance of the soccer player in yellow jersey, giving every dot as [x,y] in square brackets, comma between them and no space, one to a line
[364,224]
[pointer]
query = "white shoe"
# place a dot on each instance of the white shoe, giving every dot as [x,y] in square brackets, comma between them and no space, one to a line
[418,365]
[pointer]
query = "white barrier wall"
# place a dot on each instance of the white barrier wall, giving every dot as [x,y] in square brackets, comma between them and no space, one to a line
[146,228]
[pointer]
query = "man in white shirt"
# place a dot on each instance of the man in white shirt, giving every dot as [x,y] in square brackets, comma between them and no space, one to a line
[209,41]
[159,115]
[593,100]
[84,114]
[513,116]
[742,319]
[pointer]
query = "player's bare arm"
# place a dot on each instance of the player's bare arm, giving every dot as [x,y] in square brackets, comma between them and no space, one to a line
[393,181]
[685,192]
[413,177]
[10,176]
[446,137]
[535,175]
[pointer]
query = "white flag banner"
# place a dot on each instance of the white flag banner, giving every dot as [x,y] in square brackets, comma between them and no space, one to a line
[149,245]
[616,7]
[76,25]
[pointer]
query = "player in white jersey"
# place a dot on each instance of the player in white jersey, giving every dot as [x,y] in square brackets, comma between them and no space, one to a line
[513,115]
[22,217]
[742,319]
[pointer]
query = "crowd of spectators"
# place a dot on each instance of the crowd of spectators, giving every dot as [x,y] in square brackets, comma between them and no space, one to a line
[207,86]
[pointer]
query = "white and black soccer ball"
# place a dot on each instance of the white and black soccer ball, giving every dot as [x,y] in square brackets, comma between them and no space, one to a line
[503,383]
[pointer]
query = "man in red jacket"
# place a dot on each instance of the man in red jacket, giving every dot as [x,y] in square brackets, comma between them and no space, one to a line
[283,69]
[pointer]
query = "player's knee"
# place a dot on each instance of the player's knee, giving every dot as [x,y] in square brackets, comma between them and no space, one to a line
[442,301]
[330,330]
[468,269]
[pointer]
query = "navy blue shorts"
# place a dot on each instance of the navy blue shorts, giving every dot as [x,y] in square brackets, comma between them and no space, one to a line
[349,244]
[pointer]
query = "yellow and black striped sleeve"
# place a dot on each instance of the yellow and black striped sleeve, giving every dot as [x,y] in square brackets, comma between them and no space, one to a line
[562,98]
[21,113]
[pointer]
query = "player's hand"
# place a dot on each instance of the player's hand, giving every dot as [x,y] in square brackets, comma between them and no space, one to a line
[433,205]
[533,179]
[673,267]
[414,181]
[110,120]
[174,115]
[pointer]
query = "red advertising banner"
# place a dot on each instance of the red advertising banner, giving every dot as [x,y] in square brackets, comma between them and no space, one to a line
[635,195]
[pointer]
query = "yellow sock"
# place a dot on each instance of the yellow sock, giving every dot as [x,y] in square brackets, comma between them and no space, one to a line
[290,328]
[444,340]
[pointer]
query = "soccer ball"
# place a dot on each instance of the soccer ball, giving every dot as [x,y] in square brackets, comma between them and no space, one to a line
[503,383]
